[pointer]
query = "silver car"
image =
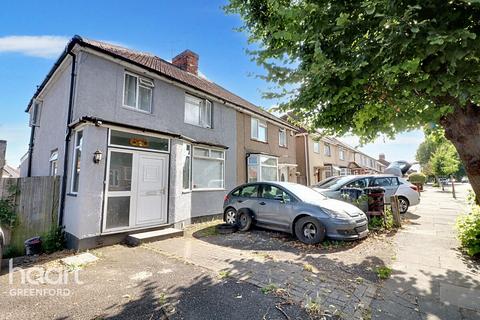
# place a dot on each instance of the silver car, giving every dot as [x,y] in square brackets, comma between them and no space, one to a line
[295,209]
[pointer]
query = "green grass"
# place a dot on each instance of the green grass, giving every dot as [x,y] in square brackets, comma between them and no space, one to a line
[308,267]
[208,231]
[383,272]
[270,288]
[313,308]
[224,274]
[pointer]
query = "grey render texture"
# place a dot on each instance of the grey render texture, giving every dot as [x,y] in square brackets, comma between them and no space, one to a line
[98,93]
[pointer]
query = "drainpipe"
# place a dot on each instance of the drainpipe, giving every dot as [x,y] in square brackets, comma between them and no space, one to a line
[30,151]
[67,140]
[307,162]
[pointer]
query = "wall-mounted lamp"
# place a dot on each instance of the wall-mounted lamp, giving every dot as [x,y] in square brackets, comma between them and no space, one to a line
[97,156]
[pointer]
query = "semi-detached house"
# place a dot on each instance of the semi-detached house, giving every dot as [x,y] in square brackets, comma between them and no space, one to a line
[142,143]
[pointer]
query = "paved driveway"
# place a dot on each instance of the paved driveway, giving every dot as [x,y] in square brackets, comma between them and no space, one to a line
[431,278]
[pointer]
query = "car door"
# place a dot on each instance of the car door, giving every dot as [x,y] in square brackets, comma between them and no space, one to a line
[274,207]
[248,197]
[390,184]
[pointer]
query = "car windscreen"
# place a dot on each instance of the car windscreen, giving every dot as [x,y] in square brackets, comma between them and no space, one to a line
[336,183]
[304,193]
[325,181]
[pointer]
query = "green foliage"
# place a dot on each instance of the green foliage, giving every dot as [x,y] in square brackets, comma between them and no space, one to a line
[417,178]
[8,215]
[11,252]
[379,223]
[383,272]
[444,161]
[468,231]
[380,67]
[54,240]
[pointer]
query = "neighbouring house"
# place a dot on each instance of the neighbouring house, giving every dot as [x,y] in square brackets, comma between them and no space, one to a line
[382,160]
[7,171]
[320,157]
[140,143]
[266,148]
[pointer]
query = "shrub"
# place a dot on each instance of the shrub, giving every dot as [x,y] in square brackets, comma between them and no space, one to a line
[468,227]
[417,177]
[377,222]
[54,240]
[8,216]
[383,272]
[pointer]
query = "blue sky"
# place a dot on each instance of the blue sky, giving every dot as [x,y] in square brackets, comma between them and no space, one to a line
[33,33]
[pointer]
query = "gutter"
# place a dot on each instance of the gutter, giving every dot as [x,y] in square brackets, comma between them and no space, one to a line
[67,138]
[30,151]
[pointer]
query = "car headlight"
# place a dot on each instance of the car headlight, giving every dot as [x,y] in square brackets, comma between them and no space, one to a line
[336,214]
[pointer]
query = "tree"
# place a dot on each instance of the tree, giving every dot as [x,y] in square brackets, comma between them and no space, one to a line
[444,161]
[371,67]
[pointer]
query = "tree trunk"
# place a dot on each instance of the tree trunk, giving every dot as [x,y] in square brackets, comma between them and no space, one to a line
[462,128]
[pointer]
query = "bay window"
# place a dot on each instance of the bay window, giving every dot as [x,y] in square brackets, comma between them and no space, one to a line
[208,168]
[198,111]
[137,92]
[262,168]
[258,129]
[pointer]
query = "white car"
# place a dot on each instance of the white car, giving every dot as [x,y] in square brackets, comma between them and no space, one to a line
[407,193]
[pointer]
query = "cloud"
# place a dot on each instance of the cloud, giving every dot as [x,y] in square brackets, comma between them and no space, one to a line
[34,46]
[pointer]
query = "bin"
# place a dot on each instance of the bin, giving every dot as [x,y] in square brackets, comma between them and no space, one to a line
[375,201]
[33,246]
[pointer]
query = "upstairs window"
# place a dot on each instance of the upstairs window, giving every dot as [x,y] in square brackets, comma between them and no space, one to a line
[316,146]
[328,150]
[137,92]
[35,114]
[342,154]
[282,138]
[198,111]
[259,130]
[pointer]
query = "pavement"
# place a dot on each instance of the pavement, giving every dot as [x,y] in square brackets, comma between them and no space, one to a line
[431,278]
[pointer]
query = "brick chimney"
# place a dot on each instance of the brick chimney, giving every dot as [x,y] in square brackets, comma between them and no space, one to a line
[187,60]
[3,151]
[381,156]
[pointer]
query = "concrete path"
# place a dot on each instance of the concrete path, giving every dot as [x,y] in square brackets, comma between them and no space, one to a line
[431,278]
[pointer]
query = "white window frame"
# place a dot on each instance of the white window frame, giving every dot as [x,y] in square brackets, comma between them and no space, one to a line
[75,150]
[188,155]
[282,133]
[35,113]
[209,157]
[255,125]
[316,146]
[327,149]
[141,82]
[205,114]
[259,166]
[53,163]
[341,154]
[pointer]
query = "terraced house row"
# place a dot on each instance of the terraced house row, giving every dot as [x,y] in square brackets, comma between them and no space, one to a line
[144,144]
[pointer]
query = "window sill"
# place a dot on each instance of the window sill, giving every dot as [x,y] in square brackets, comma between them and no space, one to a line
[186,191]
[137,110]
[261,141]
[284,147]
[209,189]
[197,126]
[72,194]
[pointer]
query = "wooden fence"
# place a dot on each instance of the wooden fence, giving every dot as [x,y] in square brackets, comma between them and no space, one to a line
[36,200]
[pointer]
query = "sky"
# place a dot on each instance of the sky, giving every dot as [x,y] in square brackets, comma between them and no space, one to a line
[33,34]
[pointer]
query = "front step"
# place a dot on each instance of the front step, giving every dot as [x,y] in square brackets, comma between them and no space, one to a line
[149,236]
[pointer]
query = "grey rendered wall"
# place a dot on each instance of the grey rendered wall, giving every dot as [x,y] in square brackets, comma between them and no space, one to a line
[99,94]
[50,134]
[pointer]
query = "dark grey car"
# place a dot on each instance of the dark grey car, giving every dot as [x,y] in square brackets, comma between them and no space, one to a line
[295,209]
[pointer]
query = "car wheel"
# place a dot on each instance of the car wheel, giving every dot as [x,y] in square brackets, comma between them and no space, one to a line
[403,204]
[231,216]
[309,230]
[226,228]
[244,221]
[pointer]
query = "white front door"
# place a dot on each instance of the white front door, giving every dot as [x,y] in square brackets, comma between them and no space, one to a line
[137,189]
[151,202]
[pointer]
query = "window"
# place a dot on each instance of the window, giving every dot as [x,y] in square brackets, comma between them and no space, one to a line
[187,168]
[77,154]
[262,168]
[198,111]
[137,92]
[344,171]
[342,154]
[138,141]
[273,192]
[282,138]
[359,183]
[208,168]
[385,182]
[249,191]
[53,161]
[316,146]
[35,114]
[328,151]
[259,130]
